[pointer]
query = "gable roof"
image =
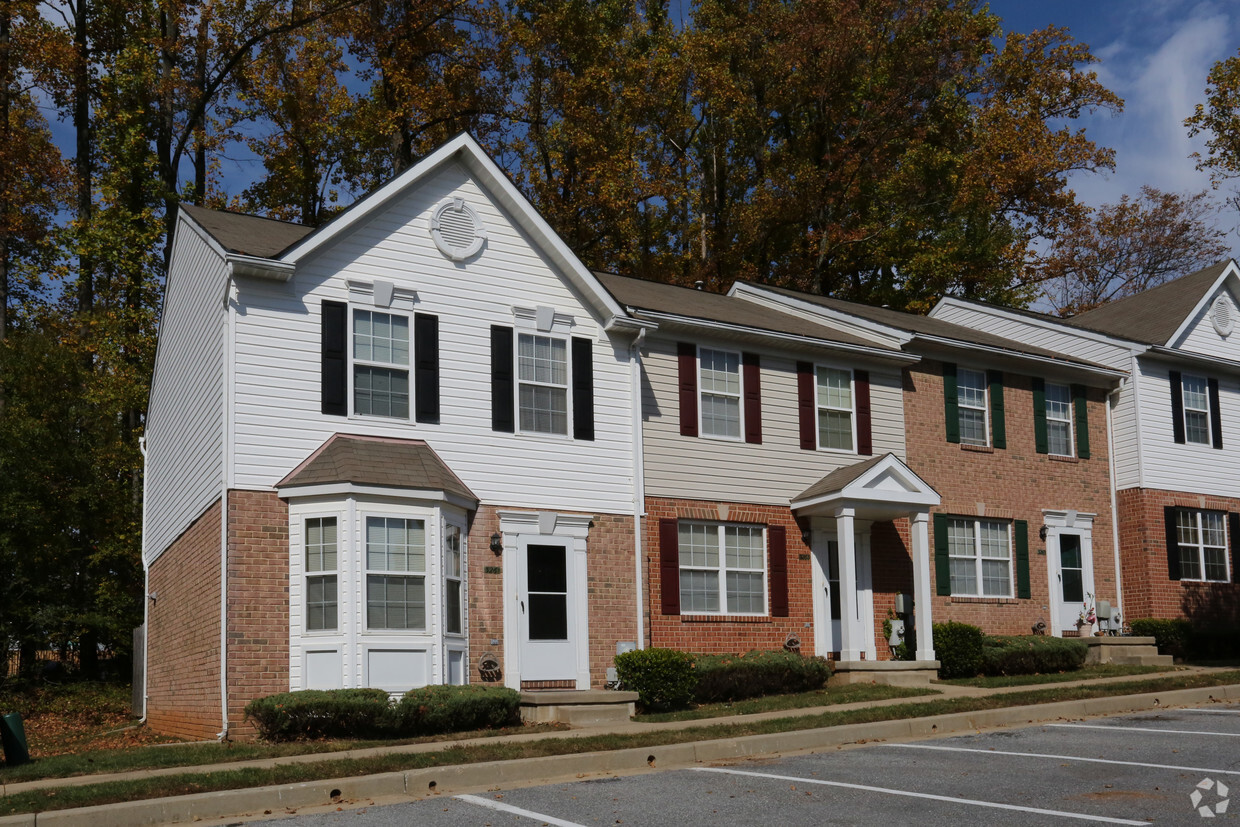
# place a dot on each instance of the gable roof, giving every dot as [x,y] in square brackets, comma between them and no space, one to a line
[691,304]
[1156,315]
[249,235]
[406,464]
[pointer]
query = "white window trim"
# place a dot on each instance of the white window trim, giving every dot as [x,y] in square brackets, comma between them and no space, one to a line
[985,409]
[462,578]
[722,570]
[518,382]
[977,558]
[1205,381]
[306,574]
[428,579]
[740,394]
[1200,546]
[819,408]
[354,363]
[1070,418]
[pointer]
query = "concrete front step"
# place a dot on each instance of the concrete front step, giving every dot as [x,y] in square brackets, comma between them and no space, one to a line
[1142,660]
[888,672]
[578,707]
[1129,651]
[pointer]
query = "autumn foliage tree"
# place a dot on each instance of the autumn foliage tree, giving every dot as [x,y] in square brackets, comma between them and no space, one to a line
[1219,119]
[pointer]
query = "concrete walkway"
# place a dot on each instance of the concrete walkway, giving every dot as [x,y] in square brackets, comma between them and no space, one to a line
[748,745]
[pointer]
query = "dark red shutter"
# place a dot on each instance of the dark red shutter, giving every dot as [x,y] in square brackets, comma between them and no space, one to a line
[751,376]
[686,357]
[669,566]
[807,408]
[583,388]
[1173,542]
[502,401]
[426,368]
[1177,412]
[334,347]
[777,543]
[1216,414]
[865,428]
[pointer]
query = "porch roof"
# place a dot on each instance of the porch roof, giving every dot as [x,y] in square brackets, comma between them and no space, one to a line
[880,488]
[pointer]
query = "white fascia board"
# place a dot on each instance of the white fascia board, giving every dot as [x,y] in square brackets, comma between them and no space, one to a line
[260,268]
[1171,354]
[348,489]
[1045,324]
[1230,271]
[775,336]
[817,312]
[628,324]
[1077,367]
[466,150]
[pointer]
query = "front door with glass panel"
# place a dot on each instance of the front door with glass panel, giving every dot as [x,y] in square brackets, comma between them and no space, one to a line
[1071,579]
[546,612]
[826,577]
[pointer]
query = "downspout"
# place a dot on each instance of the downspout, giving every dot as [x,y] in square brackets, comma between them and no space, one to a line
[639,486]
[1113,396]
[226,476]
[146,585]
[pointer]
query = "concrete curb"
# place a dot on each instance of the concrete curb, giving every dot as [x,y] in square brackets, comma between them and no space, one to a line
[454,780]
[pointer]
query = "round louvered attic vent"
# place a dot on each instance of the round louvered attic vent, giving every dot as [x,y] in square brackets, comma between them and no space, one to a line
[1222,316]
[456,229]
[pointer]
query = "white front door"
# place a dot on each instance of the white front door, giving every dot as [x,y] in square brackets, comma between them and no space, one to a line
[826,584]
[547,611]
[1070,564]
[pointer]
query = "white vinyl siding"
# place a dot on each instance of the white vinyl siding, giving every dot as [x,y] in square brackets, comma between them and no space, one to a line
[835,409]
[722,569]
[973,410]
[1059,419]
[1192,467]
[980,552]
[719,386]
[1202,537]
[542,377]
[1201,337]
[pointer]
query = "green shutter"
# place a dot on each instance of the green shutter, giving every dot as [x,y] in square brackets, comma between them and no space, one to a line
[942,563]
[998,426]
[1022,560]
[1039,417]
[1082,421]
[951,414]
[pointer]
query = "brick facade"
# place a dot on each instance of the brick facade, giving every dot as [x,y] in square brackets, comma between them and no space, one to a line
[183,645]
[1149,590]
[1012,483]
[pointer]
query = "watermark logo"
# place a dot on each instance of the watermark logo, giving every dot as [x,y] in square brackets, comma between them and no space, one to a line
[1216,792]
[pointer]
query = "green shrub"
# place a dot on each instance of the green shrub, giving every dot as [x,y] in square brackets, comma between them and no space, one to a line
[1214,643]
[958,647]
[317,713]
[1031,654]
[434,709]
[733,677]
[662,678]
[1171,635]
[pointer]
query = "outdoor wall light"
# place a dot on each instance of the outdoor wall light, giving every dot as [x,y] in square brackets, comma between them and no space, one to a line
[497,543]
[805,536]
[1042,532]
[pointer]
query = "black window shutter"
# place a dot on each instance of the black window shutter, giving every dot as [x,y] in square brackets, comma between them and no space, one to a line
[669,566]
[686,361]
[1021,528]
[1216,418]
[1233,529]
[1177,412]
[942,562]
[777,541]
[998,424]
[751,372]
[334,334]
[426,368]
[951,411]
[1173,542]
[865,416]
[807,406]
[1040,442]
[502,401]
[1080,401]
[583,388]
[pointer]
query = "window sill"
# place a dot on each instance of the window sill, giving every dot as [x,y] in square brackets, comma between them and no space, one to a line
[990,601]
[726,619]
[1057,458]
[1205,582]
[979,449]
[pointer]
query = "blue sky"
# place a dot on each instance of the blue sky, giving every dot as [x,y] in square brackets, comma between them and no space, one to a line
[1155,54]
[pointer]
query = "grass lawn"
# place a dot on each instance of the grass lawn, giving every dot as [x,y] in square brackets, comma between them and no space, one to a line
[1101,670]
[771,703]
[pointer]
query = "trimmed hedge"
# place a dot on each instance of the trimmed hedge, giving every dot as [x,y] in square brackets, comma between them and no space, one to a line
[1031,655]
[1170,635]
[1181,639]
[370,713]
[958,647]
[662,678]
[733,677]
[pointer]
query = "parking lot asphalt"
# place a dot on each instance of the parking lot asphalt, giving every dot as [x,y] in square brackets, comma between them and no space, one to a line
[1163,767]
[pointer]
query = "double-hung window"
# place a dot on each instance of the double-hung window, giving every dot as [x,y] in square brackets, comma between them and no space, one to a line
[453,606]
[321,556]
[1196,409]
[721,393]
[542,370]
[722,568]
[380,364]
[1202,538]
[1059,420]
[972,407]
[980,552]
[835,409]
[395,573]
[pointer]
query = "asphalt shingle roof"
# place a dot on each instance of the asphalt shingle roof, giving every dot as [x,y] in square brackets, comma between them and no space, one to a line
[249,235]
[388,463]
[838,479]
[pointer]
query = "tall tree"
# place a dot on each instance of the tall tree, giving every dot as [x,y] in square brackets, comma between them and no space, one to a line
[1219,119]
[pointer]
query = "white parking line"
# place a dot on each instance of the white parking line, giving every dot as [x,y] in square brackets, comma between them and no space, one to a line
[968,801]
[544,818]
[1149,730]
[1108,761]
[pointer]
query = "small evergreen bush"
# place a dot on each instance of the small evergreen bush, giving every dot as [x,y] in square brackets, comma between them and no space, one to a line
[662,678]
[734,677]
[1171,635]
[318,713]
[1031,655]
[958,647]
[434,709]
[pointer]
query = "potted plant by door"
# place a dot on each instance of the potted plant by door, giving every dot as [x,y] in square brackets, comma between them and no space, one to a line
[1087,618]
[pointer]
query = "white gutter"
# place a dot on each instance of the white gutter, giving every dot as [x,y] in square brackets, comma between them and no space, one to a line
[957,344]
[259,268]
[146,583]
[639,486]
[229,346]
[1119,586]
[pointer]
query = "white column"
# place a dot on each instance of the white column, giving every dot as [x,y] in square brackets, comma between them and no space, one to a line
[921,584]
[850,632]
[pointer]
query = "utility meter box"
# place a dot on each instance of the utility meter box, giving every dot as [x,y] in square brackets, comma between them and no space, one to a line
[904,604]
